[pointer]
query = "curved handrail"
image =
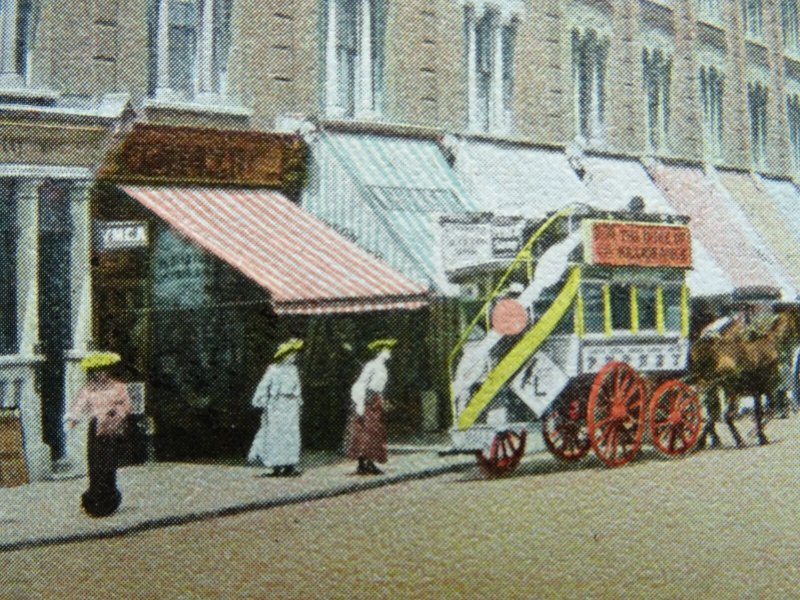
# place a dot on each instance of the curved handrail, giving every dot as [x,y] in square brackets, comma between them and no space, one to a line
[523,254]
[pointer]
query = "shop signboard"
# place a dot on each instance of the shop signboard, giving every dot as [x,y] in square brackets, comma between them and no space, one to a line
[626,244]
[479,239]
[120,235]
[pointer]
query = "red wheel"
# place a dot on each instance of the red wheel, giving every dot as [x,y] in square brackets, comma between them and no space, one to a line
[505,453]
[616,414]
[675,418]
[564,429]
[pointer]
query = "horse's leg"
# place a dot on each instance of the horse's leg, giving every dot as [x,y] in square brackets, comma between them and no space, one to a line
[712,402]
[730,413]
[759,413]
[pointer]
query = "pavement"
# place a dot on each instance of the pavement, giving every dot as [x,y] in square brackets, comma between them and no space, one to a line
[166,494]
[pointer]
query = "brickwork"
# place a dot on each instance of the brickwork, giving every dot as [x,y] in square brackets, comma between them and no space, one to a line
[277,68]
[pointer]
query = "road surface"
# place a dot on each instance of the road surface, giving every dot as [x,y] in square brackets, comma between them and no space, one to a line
[717,524]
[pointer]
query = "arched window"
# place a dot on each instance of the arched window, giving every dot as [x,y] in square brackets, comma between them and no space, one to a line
[589,63]
[757,105]
[490,64]
[657,72]
[711,88]
[190,43]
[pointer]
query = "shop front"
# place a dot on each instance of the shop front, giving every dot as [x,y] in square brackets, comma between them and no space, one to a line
[204,264]
[387,189]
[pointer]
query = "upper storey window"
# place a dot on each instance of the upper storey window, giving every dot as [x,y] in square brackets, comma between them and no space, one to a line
[191,43]
[789,23]
[16,39]
[711,90]
[490,68]
[757,106]
[657,71]
[793,116]
[709,11]
[354,58]
[589,64]
[753,18]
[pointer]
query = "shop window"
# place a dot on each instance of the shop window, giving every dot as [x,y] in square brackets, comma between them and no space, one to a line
[190,43]
[490,52]
[8,260]
[620,298]
[589,64]
[789,25]
[354,57]
[593,310]
[672,309]
[657,72]
[646,304]
[711,88]
[753,18]
[757,107]
[17,19]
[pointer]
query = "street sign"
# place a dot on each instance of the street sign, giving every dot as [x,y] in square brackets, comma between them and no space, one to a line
[120,235]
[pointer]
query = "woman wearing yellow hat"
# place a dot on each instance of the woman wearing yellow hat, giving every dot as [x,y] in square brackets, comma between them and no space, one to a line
[106,403]
[366,430]
[277,443]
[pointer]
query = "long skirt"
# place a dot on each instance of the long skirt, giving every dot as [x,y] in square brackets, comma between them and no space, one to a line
[366,434]
[277,442]
[102,498]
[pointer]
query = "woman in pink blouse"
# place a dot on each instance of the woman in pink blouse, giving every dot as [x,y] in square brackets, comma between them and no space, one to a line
[105,402]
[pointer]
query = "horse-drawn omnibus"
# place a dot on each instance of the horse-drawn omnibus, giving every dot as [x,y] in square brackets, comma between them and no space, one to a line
[584,337]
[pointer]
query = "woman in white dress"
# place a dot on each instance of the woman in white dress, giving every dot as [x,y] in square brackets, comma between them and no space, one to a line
[277,443]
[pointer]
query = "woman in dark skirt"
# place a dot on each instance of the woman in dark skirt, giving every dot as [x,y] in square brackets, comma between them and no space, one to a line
[366,428]
[106,403]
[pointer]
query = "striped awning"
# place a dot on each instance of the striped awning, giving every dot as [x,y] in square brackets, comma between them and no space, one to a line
[388,194]
[721,227]
[306,267]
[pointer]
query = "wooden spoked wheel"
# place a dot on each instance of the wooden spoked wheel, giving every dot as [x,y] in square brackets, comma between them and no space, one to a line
[616,414]
[565,431]
[676,418]
[505,452]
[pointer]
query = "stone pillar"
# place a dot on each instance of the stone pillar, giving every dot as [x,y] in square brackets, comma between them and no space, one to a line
[365,100]
[37,452]
[81,315]
[332,107]
[9,76]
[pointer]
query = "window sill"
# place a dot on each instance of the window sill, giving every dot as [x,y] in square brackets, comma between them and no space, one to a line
[25,94]
[221,106]
[711,21]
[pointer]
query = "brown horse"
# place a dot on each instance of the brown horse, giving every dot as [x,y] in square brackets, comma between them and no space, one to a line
[741,362]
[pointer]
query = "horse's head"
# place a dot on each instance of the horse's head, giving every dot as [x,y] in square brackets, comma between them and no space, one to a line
[785,329]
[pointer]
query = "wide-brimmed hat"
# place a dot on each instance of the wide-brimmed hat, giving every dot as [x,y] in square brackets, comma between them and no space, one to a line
[98,360]
[287,347]
[383,344]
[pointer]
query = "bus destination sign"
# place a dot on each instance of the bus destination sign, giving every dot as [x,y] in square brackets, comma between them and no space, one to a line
[625,244]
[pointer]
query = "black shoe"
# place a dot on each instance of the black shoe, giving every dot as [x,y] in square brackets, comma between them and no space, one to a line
[291,472]
[372,469]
